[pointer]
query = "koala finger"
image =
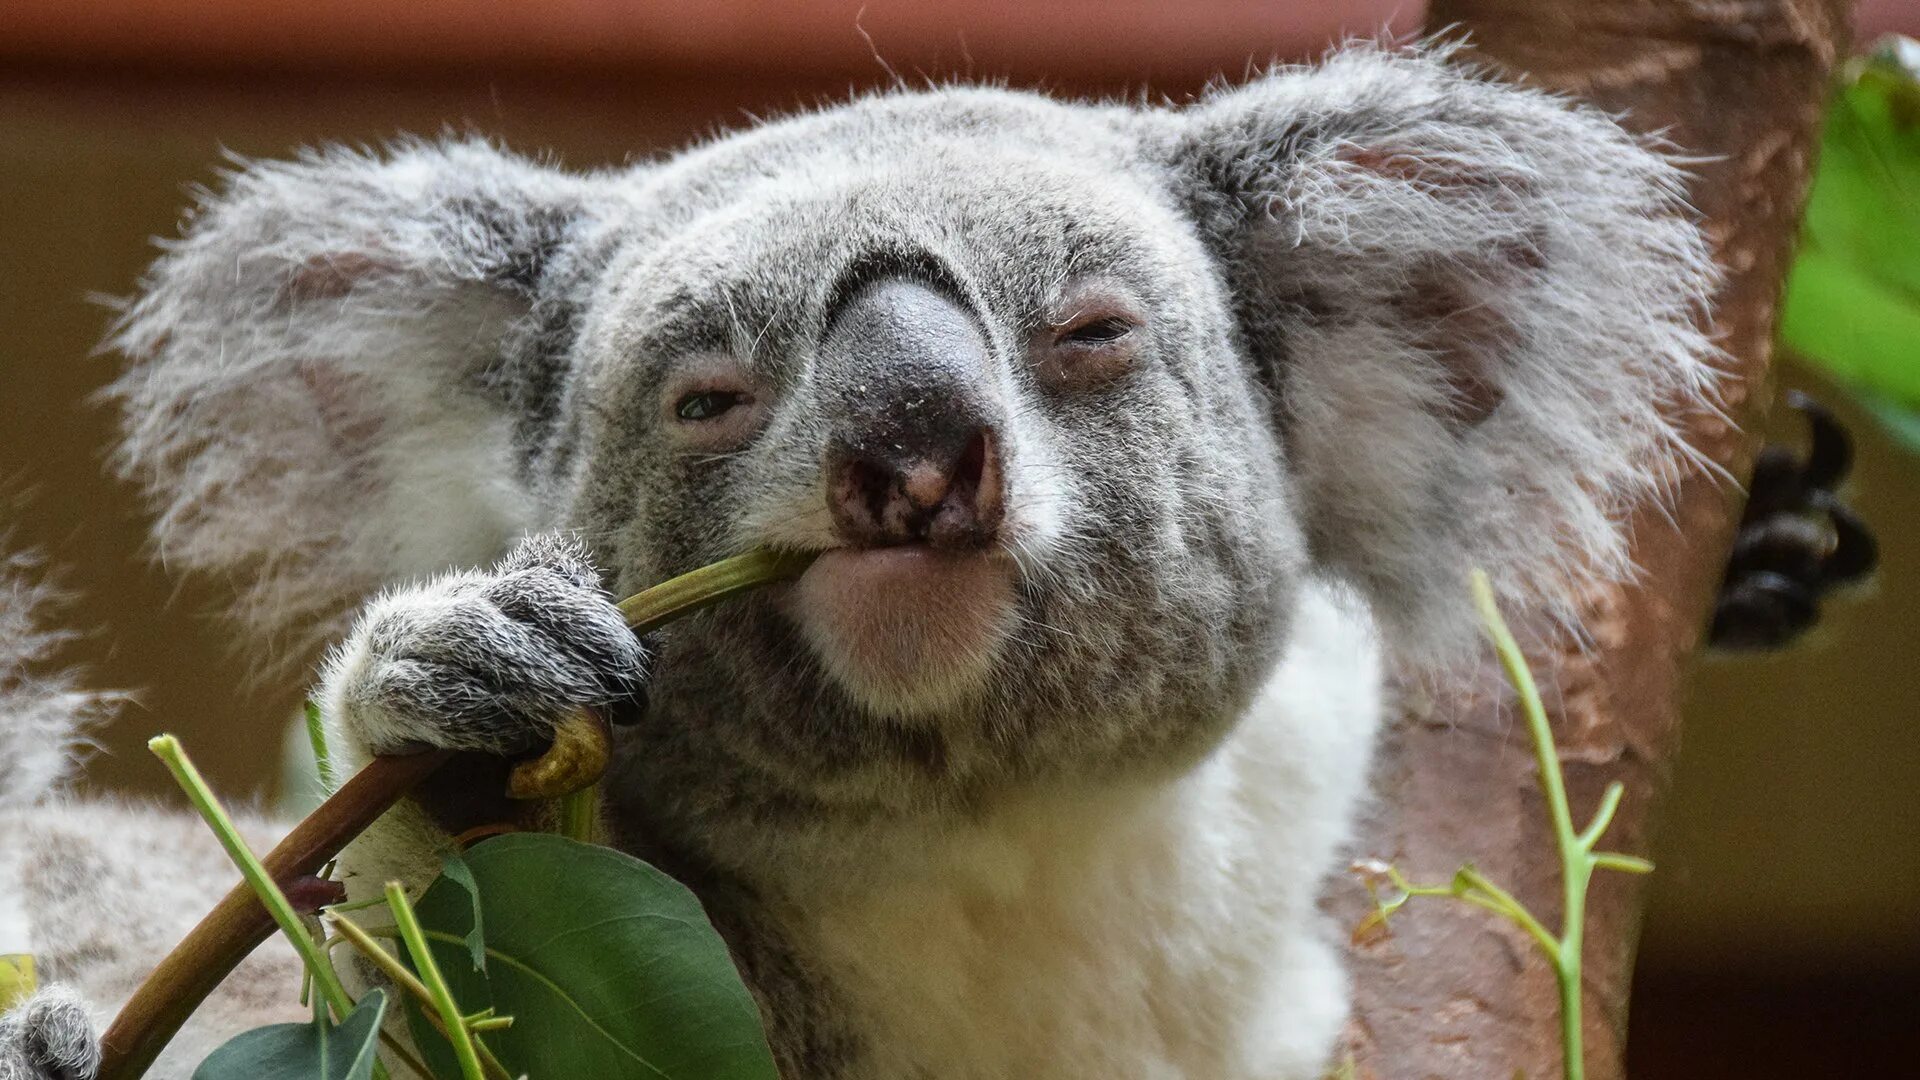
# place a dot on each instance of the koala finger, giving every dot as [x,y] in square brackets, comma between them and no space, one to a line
[486,660]
[50,1036]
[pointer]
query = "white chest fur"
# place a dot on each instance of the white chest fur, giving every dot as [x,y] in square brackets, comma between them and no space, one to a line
[1146,932]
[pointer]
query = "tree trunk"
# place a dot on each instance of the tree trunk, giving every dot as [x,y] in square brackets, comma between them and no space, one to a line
[1454,992]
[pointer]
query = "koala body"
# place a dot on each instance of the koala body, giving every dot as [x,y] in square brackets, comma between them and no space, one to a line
[1131,440]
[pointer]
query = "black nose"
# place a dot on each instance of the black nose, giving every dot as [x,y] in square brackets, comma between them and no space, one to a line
[950,502]
[914,457]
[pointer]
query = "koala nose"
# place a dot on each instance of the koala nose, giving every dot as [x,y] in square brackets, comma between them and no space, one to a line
[913,457]
[949,497]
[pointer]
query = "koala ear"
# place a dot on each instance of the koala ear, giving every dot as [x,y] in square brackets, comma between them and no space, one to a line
[1478,309]
[349,369]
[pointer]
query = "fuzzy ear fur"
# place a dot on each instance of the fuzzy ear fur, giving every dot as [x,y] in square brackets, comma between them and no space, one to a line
[1478,308]
[339,372]
[45,713]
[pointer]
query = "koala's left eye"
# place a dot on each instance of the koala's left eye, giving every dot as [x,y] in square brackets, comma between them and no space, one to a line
[1098,332]
[708,404]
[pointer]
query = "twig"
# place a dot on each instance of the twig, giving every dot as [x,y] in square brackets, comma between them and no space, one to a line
[167,749]
[211,950]
[682,596]
[1578,859]
[456,1023]
[397,973]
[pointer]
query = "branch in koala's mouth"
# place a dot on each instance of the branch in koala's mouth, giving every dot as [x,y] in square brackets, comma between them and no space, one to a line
[702,588]
[238,924]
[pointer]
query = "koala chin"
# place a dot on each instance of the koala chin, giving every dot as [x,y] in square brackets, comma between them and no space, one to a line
[907,631]
[1134,442]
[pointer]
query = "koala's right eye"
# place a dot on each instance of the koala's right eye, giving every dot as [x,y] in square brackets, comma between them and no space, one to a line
[713,405]
[709,404]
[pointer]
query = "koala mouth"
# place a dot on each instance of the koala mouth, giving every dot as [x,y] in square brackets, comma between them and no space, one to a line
[907,629]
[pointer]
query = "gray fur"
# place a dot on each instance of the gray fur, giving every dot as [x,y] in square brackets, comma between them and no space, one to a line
[81,888]
[45,712]
[1398,321]
[49,1037]
[492,661]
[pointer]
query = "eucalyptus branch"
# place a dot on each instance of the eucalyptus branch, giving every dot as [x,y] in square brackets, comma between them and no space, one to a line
[212,949]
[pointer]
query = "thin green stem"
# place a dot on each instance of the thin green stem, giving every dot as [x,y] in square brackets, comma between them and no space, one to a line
[676,597]
[1578,860]
[396,972]
[1603,817]
[1515,665]
[1625,864]
[168,750]
[457,1034]
[576,813]
[1512,908]
[1576,866]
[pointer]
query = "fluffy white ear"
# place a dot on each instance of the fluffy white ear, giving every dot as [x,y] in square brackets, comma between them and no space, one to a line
[1478,308]
[349,369]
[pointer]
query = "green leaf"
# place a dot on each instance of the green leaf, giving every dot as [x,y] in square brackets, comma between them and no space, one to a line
[17,979]
[608,967]
[1901,423]
[315,1051]
[453,868]
[317,735]
[1852,303]
[1859,331]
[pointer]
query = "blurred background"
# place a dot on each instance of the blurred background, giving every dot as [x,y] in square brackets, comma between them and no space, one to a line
[1784,938]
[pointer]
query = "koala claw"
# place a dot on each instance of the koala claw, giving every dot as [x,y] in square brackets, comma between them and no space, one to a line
[50,1036]
[579,754]
[487,660]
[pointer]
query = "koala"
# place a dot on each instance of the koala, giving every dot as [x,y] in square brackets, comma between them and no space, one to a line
[1137,444]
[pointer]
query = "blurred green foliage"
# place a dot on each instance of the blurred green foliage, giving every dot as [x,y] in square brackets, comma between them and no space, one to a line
[1853,296]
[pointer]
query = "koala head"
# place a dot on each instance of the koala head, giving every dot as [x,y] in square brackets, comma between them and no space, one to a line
[1073,397]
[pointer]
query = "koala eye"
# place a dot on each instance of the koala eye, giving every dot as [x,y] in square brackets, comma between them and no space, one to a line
[708,404]
[1098,332]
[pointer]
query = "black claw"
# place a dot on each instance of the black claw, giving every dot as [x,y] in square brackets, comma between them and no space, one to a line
[1764,611]
[1855,551]
[1797,541]
[1829,451]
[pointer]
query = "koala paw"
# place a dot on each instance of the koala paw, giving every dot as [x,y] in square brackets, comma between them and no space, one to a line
[1798,540]
[49,1036]
[486,660]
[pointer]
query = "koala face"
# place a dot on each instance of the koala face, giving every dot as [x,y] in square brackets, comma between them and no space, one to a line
[995,382]
[1072,397]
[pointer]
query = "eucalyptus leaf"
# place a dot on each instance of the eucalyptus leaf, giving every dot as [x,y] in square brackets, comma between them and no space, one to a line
[608,967]
[316,1051]
[455,869]
[1852,304]
[1901,423]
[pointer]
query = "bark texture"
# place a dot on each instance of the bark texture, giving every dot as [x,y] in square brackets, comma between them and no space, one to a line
[1453,992]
